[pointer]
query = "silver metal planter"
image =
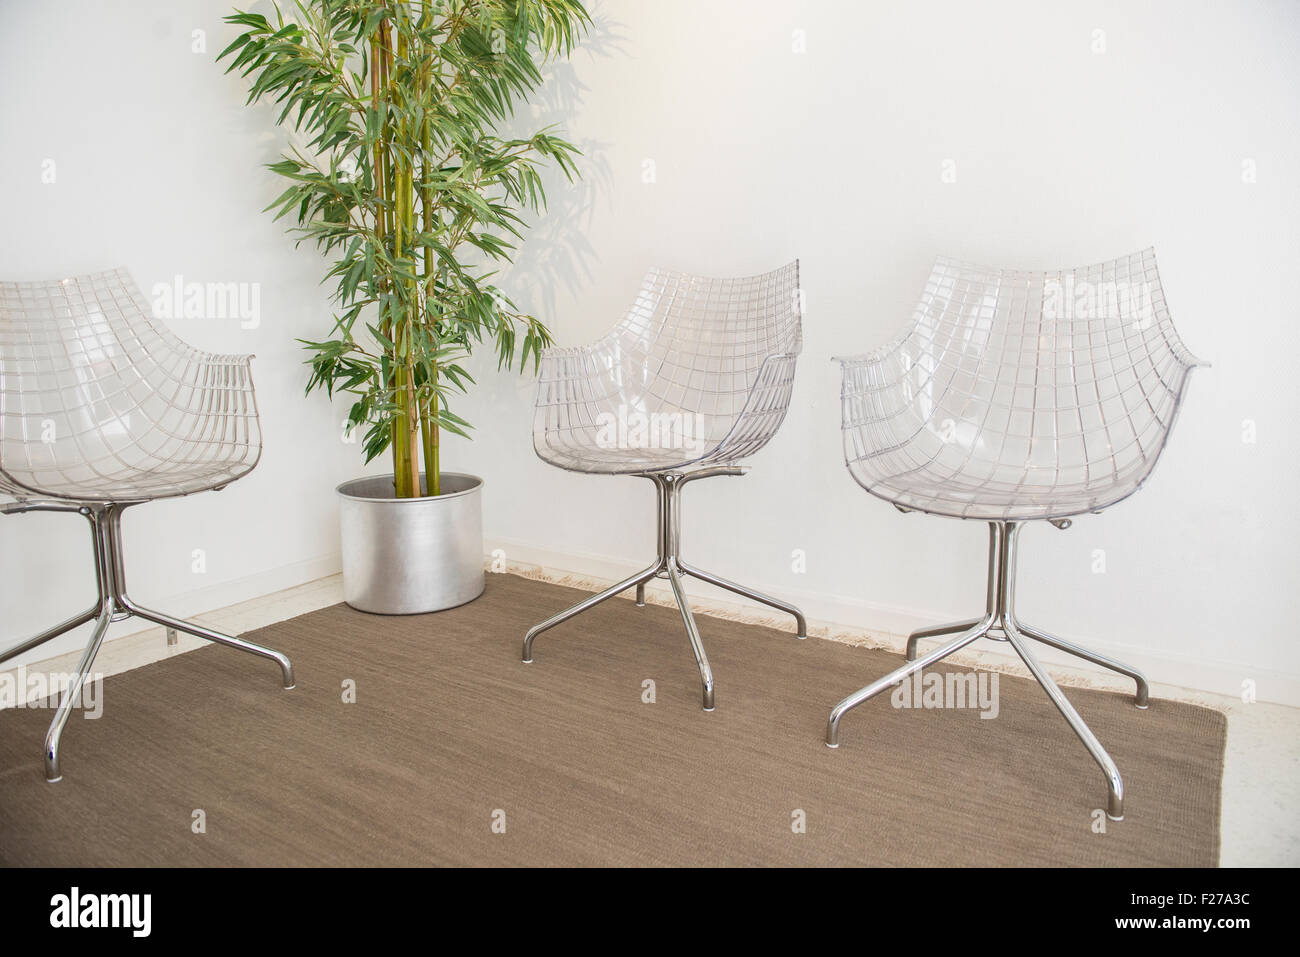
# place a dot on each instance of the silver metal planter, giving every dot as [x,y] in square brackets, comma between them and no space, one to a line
[412,555]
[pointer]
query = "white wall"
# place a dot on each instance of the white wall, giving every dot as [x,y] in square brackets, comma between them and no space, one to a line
[1063,156]
[158,168]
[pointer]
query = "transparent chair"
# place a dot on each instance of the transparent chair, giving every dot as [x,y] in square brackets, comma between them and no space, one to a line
[100,410]
[1013,397]
[695,378]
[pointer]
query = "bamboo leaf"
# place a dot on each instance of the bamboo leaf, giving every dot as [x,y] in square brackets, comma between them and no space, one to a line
[406,187]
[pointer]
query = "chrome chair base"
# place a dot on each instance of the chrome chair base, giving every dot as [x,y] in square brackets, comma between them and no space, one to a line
[999,621]
[112,605]
[669,565]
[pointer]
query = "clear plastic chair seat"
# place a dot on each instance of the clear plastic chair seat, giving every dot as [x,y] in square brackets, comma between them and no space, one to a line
[100,404]
[126,485]
[698,373]
[1019,395]
[975,495]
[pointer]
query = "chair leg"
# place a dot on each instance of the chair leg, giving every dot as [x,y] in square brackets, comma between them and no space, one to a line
[693,632]
[639,579]
[198,631]
[938,631]
[90,614]
[1142,699]
[99,547]
[897,676]
[116,578]
[1000,616]
[72,695]
[114,604]
[668,488]
[1115,806]
[748,593]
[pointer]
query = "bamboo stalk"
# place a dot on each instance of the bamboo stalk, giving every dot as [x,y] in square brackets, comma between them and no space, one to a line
[400,442]
[405,232]
[430,411]
[406,465]
[380,186]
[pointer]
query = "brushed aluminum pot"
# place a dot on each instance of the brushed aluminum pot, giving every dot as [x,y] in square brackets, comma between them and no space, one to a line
[411,555]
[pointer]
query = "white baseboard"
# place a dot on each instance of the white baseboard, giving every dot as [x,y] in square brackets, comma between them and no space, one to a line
[847,618]
[198,602]
[201,601]
[879,624]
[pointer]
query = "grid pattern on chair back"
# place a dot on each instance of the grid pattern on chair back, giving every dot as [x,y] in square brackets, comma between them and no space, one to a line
[1020,393]
[714,356]
[96,401]
[701,342]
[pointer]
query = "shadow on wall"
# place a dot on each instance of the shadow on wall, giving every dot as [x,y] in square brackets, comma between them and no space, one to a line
[555,252]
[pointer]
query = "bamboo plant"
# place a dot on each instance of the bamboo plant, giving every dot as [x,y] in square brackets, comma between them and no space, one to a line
[407,185]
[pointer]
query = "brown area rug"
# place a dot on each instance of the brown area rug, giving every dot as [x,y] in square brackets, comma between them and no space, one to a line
[450,728]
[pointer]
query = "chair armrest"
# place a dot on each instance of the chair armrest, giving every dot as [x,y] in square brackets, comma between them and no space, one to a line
[869,387]
[764,410]
[565,363]
[225,381]
[217,402]
[866,367]
[576,376]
